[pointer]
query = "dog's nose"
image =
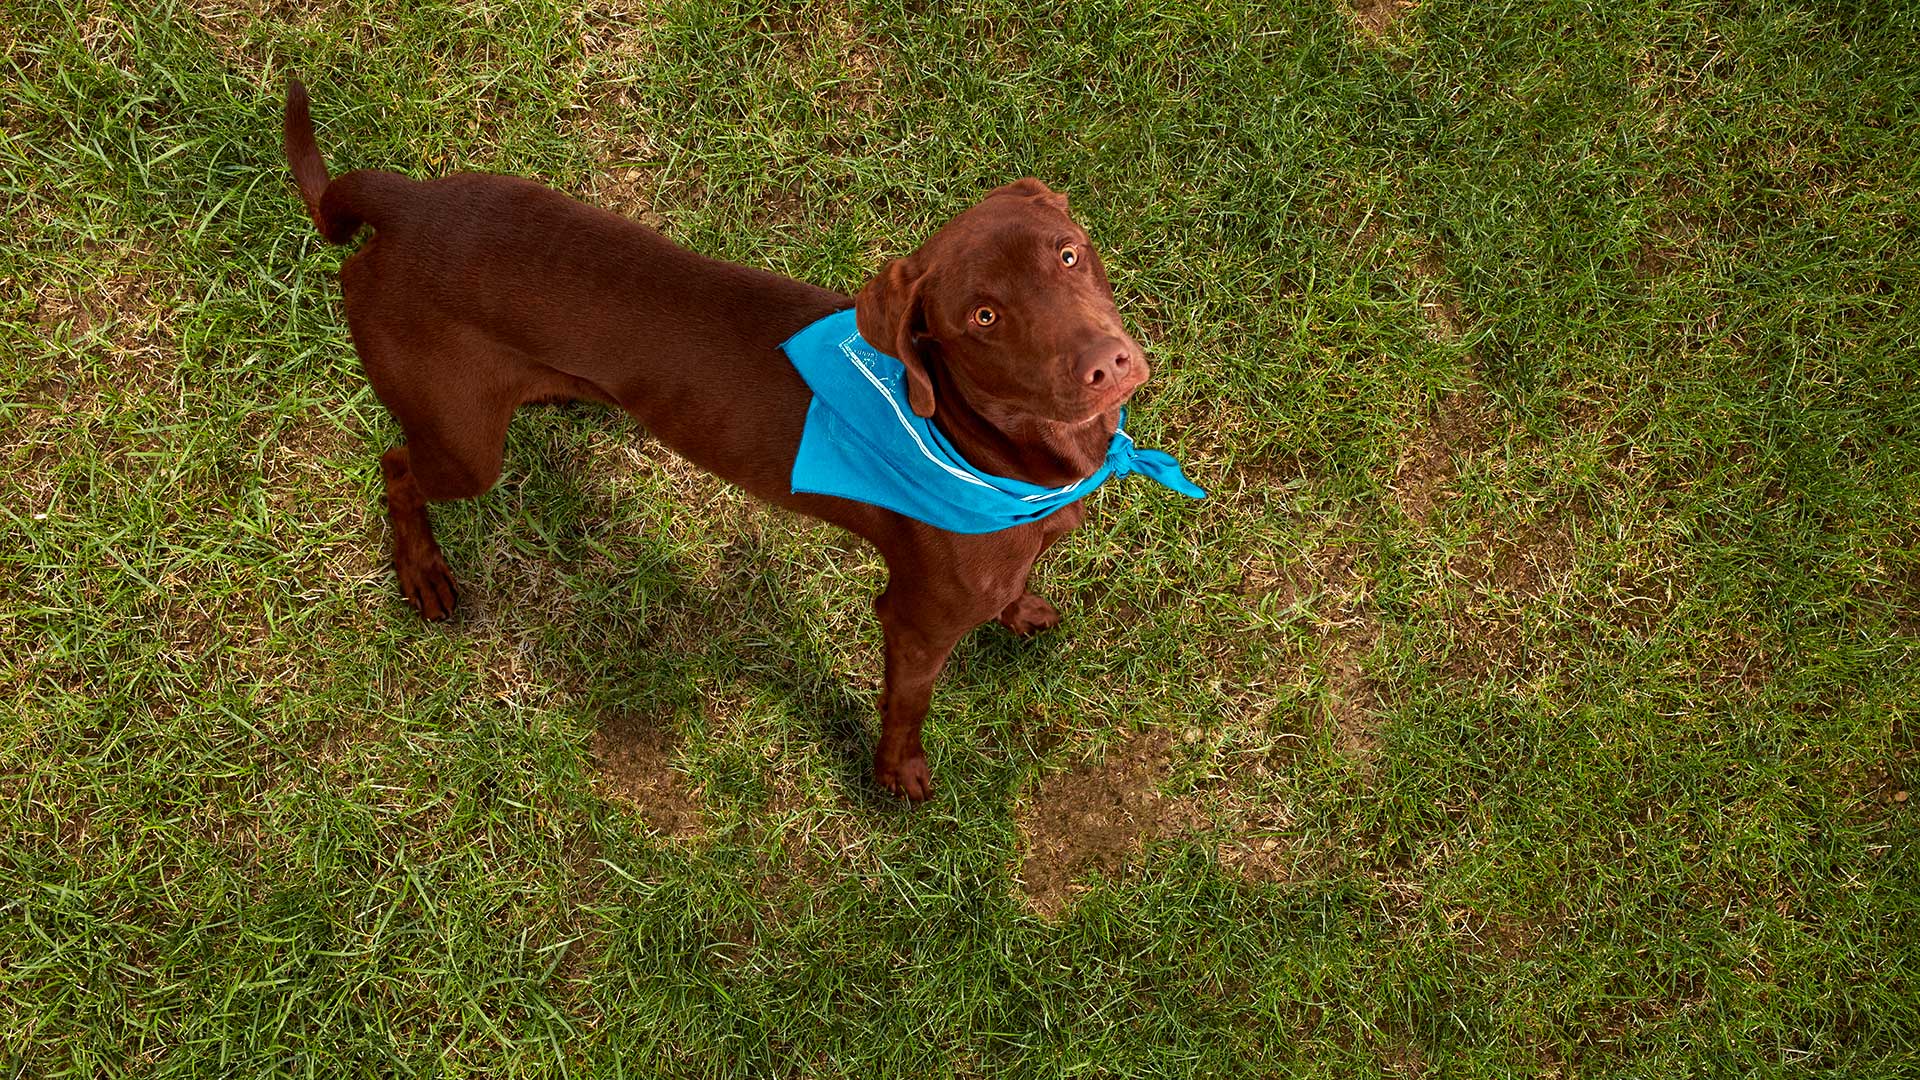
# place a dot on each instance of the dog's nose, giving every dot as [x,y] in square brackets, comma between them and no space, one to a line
[1104,365]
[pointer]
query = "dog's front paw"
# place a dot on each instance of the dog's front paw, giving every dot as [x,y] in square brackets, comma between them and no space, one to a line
[427,583]
[908,776]
[1029,615]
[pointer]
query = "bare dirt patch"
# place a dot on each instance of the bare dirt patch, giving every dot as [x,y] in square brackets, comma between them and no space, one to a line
[1377,18]
[1098,816]
[1669,246]
[1348,631]
[1256,859]
[1404,1058]
[627,190]
[1351,700]
[619,31]
[1522,563]
[250,35]
[1886,787]
[1741,664]
[630,190]
[1896,592]
[1650,260]
[1266,575]
[311,453]
[110,326]
[1438,304]
[633,766]
[1093,817]
[1255,840]
[1458,428]
[1501,573]
[128,306]
[824,840]
[576,923]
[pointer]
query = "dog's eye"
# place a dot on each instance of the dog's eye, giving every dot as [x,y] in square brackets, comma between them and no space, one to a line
[1069,256]
[984,316]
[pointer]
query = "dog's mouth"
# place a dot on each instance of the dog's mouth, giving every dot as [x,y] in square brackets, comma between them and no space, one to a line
[1092,411]
[1097,402]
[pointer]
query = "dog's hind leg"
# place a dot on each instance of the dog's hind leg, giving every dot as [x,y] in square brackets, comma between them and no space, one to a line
[425,580]
[426,469]
[453,399]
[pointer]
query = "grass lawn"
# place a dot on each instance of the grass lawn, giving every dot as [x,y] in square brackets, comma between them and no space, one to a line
[1535,695]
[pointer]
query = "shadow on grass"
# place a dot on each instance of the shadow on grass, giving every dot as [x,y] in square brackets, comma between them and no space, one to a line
[662,655]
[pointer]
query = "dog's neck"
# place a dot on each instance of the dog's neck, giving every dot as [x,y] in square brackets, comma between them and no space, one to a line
[1020,446]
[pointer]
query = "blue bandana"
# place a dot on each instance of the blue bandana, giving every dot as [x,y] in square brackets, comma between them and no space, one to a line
[862,442]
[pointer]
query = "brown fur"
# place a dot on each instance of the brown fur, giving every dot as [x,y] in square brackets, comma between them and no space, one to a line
[477,294]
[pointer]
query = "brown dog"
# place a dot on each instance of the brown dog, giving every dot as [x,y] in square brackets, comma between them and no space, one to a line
[478,294]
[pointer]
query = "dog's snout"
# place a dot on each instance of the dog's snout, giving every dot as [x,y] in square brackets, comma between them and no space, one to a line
[1105,365]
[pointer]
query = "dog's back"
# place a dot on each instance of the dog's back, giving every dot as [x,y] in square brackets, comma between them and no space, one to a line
[505,291]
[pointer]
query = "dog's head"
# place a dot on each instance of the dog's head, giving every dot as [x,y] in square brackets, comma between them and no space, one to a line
[1012,300]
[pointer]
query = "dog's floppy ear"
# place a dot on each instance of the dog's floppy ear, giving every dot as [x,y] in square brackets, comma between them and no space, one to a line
[888,314]
[1033,189]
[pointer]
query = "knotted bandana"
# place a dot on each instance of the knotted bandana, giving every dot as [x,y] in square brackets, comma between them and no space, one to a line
[863,442]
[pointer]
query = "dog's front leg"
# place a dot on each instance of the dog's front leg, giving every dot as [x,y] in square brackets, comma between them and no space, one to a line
[921,632]
[1028,614]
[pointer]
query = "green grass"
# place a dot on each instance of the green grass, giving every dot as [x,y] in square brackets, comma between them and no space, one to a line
[1557,610]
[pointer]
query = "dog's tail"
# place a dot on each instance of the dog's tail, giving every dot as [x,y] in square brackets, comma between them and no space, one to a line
[338,207]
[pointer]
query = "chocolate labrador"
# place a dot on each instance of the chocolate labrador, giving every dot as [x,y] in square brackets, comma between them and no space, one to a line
[477,294]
